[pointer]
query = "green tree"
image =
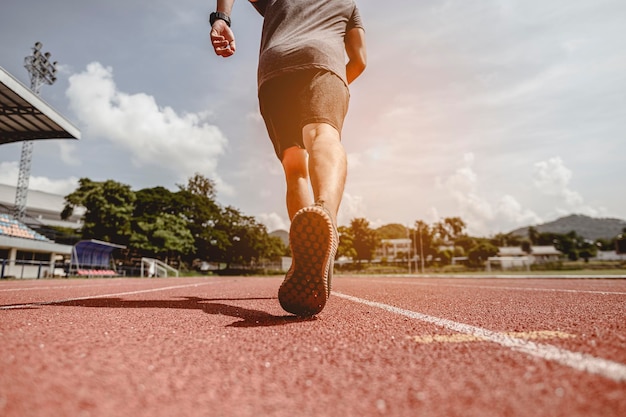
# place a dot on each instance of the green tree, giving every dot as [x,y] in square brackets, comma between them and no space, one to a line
[346,243]
[108,209]
[150,202]
[158,226]
[466,243]
[478,255]
[197,205]
[364,239]
[605,244]
[423,240]
[165,236]
[450,228]
[533,235]
[507,239]
[245,240]
[526,246]
[587,249]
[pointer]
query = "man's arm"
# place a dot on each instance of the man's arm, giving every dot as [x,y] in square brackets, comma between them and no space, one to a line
[357,53]
[222,38]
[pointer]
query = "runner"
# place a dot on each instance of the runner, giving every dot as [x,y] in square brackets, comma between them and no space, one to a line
[303,97]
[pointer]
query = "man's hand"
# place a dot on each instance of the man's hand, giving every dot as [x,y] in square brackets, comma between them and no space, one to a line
[223,39]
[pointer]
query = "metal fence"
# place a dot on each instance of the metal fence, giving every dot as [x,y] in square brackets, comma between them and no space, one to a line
[28,269]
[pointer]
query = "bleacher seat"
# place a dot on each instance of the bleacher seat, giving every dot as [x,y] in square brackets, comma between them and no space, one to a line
[11,227]
[96,273]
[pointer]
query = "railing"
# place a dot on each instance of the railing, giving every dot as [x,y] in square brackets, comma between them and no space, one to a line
[27,269]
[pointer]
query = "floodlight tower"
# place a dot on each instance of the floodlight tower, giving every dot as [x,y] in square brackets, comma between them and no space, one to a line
[42,71]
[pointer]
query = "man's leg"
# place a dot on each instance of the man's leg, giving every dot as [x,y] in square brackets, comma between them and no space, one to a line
[327,165]
[313,234]
[296,169]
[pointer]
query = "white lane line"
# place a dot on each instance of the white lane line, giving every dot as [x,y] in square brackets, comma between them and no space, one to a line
[64,287]
[92,297]
[576,360]
[495,287]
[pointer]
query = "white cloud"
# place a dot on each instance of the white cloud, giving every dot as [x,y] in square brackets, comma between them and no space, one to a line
[153,135]
[482,215]
[273,221]
[552,178]
[9,172]
[352,207]
[61,187]
[67,153]
[511,212]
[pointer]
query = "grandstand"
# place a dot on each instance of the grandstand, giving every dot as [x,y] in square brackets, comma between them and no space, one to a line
[24,116]
[11,227]
[24,253]
[43,210]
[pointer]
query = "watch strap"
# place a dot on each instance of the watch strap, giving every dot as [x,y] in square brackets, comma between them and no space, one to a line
[219,15]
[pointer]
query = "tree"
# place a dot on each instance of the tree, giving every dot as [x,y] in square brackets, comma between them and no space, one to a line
[201,212]
[108,209]
[151,202]
[245,241]
[158,226]
[527,246]
[364,239]
[346,244]
[165,236]
[450,228]
[478,255]
[533,235]
[466,243]
[507,239]
[587,249]
[423,237]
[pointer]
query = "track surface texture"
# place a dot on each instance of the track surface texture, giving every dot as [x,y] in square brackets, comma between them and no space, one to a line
[383,346]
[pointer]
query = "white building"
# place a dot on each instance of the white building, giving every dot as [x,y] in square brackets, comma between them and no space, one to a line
[393,249]
[516,258]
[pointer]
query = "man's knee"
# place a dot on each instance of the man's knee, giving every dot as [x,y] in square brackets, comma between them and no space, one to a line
[295,162]
[314,131]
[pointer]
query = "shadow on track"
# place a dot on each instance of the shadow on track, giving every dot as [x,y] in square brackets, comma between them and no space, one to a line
[248,317]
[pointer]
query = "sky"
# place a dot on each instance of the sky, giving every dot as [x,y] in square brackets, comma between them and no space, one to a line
[506,113]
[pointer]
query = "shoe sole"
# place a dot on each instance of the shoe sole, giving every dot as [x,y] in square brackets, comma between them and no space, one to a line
[306,287]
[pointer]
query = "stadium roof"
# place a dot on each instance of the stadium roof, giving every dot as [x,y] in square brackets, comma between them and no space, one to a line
[25,116]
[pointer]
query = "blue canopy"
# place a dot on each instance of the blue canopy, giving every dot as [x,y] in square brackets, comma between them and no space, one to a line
[93,254]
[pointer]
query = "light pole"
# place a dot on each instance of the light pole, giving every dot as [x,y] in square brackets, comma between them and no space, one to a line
[408,255]
[419,230]
[42,71]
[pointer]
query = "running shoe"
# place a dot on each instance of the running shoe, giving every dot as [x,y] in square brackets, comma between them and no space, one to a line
[313,240]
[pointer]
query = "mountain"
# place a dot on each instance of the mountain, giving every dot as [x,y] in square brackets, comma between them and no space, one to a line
[282,234]
[585,226]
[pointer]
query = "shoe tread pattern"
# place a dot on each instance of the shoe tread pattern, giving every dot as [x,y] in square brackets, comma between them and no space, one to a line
[306,288]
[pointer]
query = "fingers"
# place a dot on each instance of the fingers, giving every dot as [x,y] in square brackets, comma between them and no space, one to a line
[223,44]
[224,48]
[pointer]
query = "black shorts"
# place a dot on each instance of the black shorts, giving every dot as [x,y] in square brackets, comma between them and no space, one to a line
[291,101]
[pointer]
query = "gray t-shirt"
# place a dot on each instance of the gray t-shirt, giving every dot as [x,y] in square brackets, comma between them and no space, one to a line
[304,34]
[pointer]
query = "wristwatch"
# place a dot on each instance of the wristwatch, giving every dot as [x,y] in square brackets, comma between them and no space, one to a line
[219,15]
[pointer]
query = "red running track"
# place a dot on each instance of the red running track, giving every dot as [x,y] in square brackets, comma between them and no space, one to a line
[383,346]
